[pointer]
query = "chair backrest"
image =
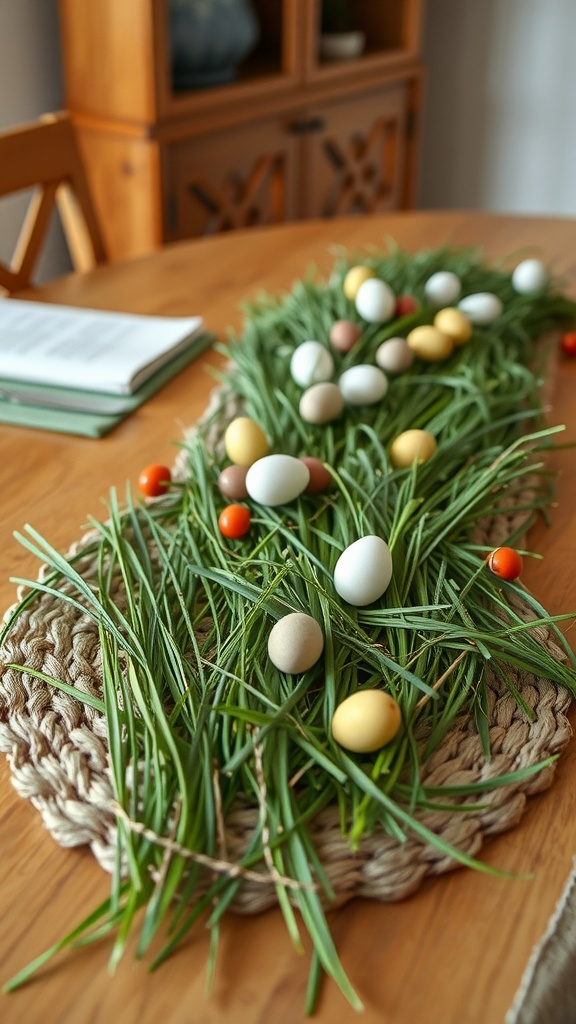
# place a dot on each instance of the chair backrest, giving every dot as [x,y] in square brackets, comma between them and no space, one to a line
[44,156]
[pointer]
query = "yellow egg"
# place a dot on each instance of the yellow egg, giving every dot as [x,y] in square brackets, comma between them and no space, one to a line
[354,278]
[411,445]
[366,721]
[452,322]
[430,344]
[245,441]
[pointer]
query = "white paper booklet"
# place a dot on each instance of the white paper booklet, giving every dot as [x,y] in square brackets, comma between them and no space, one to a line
[88,349]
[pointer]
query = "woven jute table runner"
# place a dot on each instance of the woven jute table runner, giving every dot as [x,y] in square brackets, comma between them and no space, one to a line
[58,752]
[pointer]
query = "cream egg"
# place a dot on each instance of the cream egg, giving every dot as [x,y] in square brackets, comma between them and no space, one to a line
[295,643]
[363,384]
[442,288]
[363,571]
[394,355]
[276,479]
[375,301]
[311,363]
[481,308]
[321,403]
[245,441]
[366,721]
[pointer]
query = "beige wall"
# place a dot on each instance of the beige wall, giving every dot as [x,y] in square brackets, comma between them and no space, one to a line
[500,113]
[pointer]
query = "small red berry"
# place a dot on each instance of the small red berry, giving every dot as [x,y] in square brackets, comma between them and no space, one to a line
[154,480]
[505,563]
[405,304]
[234,521]
[568,343]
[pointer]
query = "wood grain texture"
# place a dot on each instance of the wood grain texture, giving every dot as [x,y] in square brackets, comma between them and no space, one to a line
[452,954]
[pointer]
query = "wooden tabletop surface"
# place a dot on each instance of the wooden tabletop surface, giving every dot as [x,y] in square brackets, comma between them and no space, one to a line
[452,954]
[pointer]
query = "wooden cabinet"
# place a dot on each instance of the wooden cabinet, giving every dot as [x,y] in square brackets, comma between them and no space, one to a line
[293,135]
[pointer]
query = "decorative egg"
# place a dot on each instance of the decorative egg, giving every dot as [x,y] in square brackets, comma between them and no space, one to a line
[320,478]
[344,334]
[276,479]
[394,355]
[481,308]
[375,301]
[295,643]
[245,441]
[321,403]
[453,323]
[232,482]
[442,288]
[311,363]
[366,721]
[529,276]
[411,445]
[430,344]
[363,571]
[363,384]
[354,278]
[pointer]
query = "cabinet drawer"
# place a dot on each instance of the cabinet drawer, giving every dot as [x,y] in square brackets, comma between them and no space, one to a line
[232,179]
[356,162]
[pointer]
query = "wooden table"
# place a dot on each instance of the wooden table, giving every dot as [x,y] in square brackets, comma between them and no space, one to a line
[452,954]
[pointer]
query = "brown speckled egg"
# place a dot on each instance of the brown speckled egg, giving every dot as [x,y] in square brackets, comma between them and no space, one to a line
[320,478]
[232,482]
[344,334]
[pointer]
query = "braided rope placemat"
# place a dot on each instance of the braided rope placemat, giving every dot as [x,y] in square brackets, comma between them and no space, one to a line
[57,749]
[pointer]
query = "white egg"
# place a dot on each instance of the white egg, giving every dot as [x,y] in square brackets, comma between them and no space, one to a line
[394,355]
[363,571]
[363,384]
[481,308]
[443,288]
[529,276]
[311,363]
[277,479]
[375,301]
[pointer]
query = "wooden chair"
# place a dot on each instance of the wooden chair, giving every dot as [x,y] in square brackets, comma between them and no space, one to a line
[45,156]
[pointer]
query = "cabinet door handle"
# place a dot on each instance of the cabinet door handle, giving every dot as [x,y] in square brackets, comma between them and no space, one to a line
[307,126]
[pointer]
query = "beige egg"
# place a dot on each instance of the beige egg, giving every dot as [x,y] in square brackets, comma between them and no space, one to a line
[430,344]
[366,721]
[412,445]
[245,441]
[354,278]
[321,403]
[452,322]
[394,355]
[295,643]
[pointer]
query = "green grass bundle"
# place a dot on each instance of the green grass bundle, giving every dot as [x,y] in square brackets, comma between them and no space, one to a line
[199,719]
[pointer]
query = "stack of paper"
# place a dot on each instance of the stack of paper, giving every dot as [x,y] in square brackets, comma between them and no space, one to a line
[82,371]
